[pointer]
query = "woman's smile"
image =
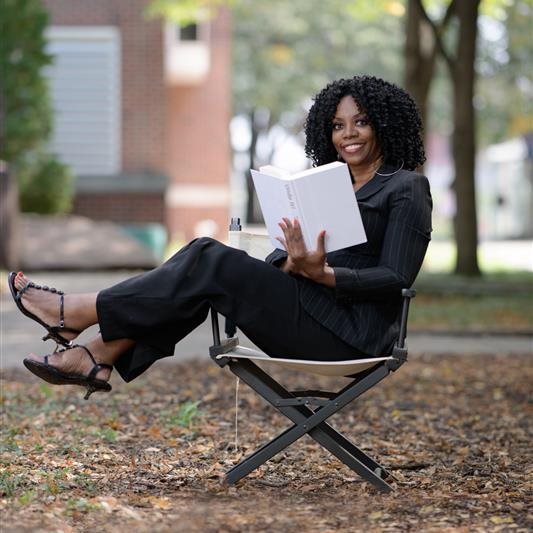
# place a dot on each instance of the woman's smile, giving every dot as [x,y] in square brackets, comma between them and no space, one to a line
[352,148]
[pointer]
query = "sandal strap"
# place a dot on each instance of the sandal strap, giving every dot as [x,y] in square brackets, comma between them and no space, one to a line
[32,285]
[23,290]
[61,311]
[97,366]
[54,330]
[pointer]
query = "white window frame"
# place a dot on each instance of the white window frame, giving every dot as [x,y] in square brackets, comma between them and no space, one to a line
[187,62]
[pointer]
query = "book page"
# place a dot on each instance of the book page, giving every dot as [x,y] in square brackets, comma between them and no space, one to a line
[327,200]
[276,198]
[275,171]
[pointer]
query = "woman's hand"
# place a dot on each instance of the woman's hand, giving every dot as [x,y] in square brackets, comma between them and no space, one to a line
[300,261]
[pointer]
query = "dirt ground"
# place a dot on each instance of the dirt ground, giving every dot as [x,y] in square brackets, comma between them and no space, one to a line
[455,432]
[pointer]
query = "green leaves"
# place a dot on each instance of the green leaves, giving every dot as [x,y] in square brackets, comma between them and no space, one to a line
[44,182]
[22,57]
[284,52]
[184,12]
[182,415]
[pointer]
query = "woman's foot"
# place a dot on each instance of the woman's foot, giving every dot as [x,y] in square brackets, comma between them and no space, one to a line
[89,366]
[74,362]
[78,312]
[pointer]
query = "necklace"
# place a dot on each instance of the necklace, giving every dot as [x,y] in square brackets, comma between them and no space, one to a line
[391,173]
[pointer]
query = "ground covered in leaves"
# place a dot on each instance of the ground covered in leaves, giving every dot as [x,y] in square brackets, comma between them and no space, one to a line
[150,456]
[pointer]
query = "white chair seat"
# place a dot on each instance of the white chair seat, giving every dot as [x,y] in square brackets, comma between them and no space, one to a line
[323,368]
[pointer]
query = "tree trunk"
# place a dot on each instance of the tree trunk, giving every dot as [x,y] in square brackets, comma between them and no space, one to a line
[420,55]
[464,144]
[9,220]
[251,200]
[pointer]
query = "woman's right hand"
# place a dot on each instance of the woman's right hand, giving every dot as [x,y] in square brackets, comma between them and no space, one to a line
[309,264]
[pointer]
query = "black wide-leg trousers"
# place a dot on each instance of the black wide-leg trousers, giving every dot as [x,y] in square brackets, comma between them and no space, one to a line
[159,308]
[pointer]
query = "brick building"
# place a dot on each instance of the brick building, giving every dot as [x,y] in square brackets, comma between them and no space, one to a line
[141,114]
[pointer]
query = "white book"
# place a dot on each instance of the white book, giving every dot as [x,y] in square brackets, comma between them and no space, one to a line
[321,198]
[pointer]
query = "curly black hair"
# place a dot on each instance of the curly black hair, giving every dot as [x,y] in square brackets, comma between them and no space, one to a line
[391,111]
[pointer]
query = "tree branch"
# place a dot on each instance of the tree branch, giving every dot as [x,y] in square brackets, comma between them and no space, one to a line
[439,29]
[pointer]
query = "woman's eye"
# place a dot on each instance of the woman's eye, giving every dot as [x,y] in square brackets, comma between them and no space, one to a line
[361,122]
[337,126]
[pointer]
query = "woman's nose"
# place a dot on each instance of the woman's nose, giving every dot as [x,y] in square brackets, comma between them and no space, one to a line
[350,131]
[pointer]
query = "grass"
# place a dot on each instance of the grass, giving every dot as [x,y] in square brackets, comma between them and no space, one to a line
[498,302]
[181,416]
[512,314]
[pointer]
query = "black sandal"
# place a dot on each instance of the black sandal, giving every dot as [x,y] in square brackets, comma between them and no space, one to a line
[56,377]
[53,331]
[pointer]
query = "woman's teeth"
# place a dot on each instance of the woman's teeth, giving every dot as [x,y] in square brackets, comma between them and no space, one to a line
[351,148]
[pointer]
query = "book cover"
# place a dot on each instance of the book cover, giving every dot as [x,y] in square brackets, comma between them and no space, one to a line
[322,198]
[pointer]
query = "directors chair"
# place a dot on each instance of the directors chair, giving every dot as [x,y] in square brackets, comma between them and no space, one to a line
[308,410]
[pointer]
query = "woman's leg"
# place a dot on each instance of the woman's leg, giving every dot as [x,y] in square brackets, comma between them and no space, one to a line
[157,309]
[79,309]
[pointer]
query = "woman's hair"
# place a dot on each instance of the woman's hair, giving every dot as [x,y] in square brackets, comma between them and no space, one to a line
[391,111]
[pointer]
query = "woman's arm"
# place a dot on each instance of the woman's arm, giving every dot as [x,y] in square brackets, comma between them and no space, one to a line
[276,258]
[404,246]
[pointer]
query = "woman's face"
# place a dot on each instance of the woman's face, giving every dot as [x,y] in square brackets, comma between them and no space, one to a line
[353,136]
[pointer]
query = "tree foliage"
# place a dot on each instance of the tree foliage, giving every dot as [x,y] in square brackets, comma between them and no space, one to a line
[284,53]
[505,88]
[26,114]
[474,85]
[186,12]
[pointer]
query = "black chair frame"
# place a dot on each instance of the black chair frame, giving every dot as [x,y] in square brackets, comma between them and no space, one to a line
[309,410]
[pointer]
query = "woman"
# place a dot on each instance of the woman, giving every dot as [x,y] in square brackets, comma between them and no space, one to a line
[298,303]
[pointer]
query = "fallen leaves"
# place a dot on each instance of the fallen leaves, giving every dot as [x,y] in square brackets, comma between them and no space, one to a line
[453,431]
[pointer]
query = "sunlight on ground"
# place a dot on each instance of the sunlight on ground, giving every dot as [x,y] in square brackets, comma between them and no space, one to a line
[494,256]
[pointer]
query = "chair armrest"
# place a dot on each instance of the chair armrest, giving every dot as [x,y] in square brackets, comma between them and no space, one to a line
[407,294]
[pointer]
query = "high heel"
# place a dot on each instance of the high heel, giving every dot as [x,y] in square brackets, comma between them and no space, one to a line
[53,331]
[57,377]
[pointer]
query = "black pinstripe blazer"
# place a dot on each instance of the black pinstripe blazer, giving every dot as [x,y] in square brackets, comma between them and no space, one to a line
[364,307]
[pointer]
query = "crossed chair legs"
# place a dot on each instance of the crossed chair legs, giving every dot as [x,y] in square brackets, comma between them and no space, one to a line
[296,407]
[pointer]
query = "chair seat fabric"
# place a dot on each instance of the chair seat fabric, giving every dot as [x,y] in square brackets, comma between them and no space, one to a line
[323,368]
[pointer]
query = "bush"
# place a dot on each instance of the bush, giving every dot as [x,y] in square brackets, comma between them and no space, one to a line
[45,185]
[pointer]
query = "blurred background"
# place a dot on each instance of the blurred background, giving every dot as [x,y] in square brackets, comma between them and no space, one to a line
[129,126]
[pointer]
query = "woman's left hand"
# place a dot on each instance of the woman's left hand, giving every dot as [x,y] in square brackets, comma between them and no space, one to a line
[309,264]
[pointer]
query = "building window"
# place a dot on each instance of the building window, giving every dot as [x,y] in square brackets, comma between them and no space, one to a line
[85,91]
[187,53]
[188,33]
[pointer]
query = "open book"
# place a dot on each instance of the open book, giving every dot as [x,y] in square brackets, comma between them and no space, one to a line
[321,198]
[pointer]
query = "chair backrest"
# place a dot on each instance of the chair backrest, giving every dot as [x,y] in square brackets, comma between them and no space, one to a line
[254,244]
